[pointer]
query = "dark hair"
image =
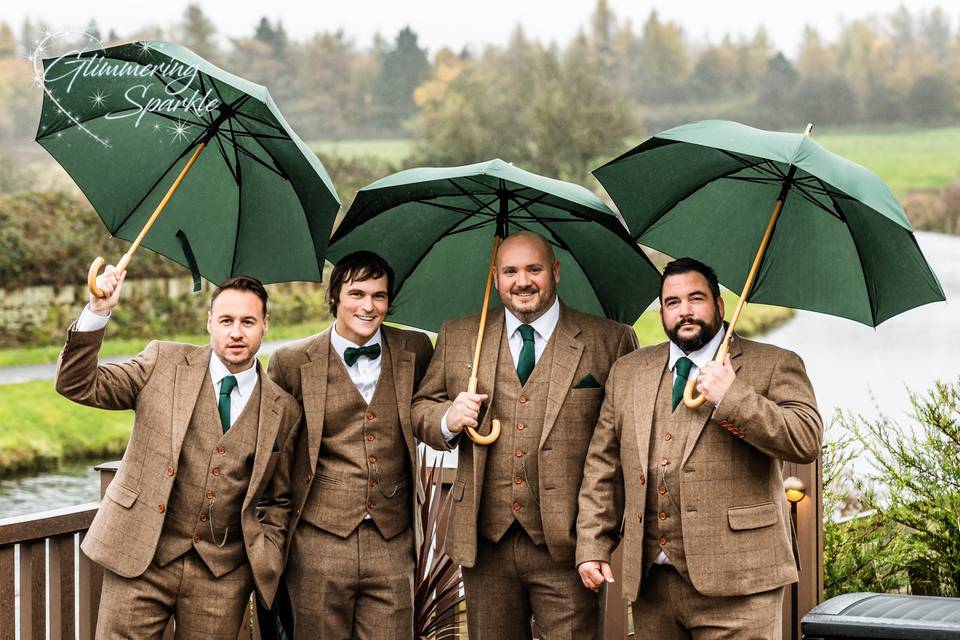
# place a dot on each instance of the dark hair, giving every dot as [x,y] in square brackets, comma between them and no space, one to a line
[356,267]
[686,265]
[243,283]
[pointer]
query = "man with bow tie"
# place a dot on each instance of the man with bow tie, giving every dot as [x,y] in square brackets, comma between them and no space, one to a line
[355,529]
[541,374]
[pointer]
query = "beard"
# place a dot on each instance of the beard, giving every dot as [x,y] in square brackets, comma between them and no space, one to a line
[700,339]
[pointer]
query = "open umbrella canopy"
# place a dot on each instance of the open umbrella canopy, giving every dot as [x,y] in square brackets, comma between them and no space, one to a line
[842,244]
[124,121]
[436,227]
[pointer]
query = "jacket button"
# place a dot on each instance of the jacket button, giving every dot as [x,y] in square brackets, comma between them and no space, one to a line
[639,517]
[371,504]
[298,512]
[373,483]
[661,489]
[523,399]
[161,508]
[516,506]
[371,437]
[662,516]
[663,462]
[309,476]
[221,450]
[196,538]
[667,436]
[372,459]
[518,453]
[203,517]
[517,480]
[662,540]
[643,478]
[370,415]
[169,471]
[216,471]
[211,495]
[521,426]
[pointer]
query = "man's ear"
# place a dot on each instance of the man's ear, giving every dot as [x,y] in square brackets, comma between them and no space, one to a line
[209,322]
[266,323]
[556,271]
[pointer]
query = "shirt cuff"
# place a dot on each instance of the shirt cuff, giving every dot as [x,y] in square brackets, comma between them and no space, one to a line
[90,321]
[448,435]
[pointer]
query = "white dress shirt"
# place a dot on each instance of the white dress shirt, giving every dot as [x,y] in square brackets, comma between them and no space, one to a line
[543,328]
[365,371]
[246,379]
[700,358]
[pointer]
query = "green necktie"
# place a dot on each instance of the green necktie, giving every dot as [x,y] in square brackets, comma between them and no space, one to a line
[682,367]
[223,406]
[527,359]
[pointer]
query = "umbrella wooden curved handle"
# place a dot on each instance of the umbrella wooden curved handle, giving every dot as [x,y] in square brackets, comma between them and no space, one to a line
[95,271]
[475,435]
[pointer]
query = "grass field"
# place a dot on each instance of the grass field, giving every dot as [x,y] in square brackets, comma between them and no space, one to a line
[393,151]
[905,159]
[918,159]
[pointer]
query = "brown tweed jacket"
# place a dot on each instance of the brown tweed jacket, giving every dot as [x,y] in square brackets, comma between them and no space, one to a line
[301,368]
[737,535]
[586,345]
[162,385]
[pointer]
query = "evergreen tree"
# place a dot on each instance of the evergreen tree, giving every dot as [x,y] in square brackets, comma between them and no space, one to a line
[404,66]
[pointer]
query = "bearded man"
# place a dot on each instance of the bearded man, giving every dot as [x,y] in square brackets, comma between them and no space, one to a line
[697,494]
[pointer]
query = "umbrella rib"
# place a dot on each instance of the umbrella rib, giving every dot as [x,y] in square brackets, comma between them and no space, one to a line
[448,207]
[253,136]
[265,123]
[763,165]
[473,196]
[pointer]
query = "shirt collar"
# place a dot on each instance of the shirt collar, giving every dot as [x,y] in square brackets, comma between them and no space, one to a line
[340,344]
[544,325]
[701,356]
[246,379]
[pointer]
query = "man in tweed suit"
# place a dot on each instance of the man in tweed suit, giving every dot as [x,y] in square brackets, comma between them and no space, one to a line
[356,527]
[697,494]
[196,517]
[542,367]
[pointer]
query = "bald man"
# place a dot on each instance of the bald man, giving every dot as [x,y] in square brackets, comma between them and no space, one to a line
[542,371]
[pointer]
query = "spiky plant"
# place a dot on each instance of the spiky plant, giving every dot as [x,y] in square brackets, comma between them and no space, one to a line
[438,586]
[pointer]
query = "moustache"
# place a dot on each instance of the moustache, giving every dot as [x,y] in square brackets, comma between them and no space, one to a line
[518,291]
[682,323]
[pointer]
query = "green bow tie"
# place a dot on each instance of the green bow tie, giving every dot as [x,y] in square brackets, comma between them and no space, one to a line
[351,354]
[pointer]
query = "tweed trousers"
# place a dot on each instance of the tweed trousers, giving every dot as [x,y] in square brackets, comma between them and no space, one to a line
[203,607]
[669,608]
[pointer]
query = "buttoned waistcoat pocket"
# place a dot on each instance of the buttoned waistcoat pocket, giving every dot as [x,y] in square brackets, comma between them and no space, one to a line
[121,494]
[753,517]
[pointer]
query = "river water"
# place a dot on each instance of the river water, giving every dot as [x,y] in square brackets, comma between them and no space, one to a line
[852,367]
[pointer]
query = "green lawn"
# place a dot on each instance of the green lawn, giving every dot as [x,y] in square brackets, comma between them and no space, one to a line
[393,151]
[908,159]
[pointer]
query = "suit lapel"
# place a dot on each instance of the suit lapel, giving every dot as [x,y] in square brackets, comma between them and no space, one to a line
[645,397]
[401,364]
[268,424]
[567,352]
[701,415]
[486,383]
[186,390]
[313,376]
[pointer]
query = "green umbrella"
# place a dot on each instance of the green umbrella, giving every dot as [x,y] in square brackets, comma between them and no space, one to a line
[837,242]
[436,228]
[129,122]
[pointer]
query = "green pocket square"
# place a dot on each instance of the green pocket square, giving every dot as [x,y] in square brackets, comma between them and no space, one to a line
[587,382]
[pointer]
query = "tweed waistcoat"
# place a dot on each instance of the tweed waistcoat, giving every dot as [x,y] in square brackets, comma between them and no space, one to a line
[510,483]
[363,467]
[214,469]
[663,530]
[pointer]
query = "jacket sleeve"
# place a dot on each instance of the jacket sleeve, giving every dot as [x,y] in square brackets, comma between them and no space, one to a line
[784,423]
[601,492]
[432,401]
[80,378]
[628,342]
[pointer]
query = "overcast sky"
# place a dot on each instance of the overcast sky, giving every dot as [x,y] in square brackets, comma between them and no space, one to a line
[455,23]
